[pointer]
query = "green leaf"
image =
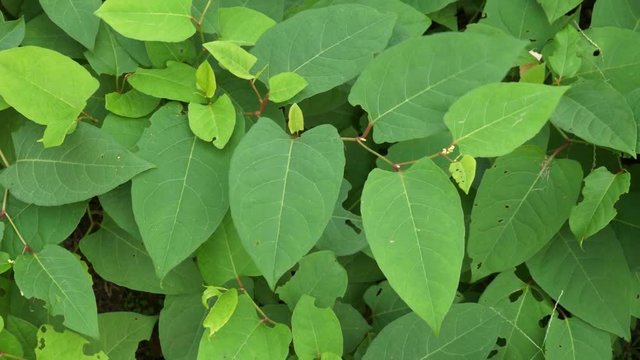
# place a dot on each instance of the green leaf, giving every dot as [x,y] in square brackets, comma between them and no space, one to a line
[407,89]
[562,52]
[246,337]
[593,282]
[414,225]
[206,79]
[354,326]
[132,104]
[469,331]
[325,53]
[42,32]
[463,172]
[126,131]
[149,20]
[495,119]
[232,57]
[180,327]
[222,258]
[54,345]
[286,85]
[11,33]
[602,190]
[5,259]
[555,9]
[512,218]
[75,17]
[108,56]
[58,277]
[214,122]
[385,305]
[242,25]
[221,311]
[46,87]
[176,82]
[178,204]
[410,150]
[25,332]
[599,114]
[522,312]
[57,176]
[428,6]
[296,119]
[121,258]
[571,338]
[618,13]
[10,344]
[319,275]
[315,330]
[120,333]
[633,98]
[536,74]
[161,52]
[295,181]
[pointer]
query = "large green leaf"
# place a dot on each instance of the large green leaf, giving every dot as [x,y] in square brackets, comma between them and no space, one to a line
[353,324]
[598,113]
[63,345]
[408,88]
[59,278]
[11,33]
[108,56]
[41,31]
[46,87]
[495,119]
[316,45]
[319,275]
[133,103]
[562,52]
[89,163]
[571,339]
[555,9]
[618,13]
[180,327]
[602,190]
[120,333]
[75,17]
[246,336]
[593,282]
[283,191]
[428,6]
[121,258]
[385,305]
[242,25]
[316,330]
[176,82]
[149,20]
[178,204]
[521,204]
[414,224]
[469,331]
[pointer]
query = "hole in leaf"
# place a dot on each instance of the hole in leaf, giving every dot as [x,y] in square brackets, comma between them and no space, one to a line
[537,295]
[379,292]
[3,292]
[479,266]
[350,224]
[506,206]
[637,296]
[544,321]
[500,220]
[502,342]
[483,16]
[43,329]
[476,204]
[505,172]
[596,52]
[492,354]
[515,295]
[42,344]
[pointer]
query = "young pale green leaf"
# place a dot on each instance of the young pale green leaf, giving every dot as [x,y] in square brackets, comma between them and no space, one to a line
[414,224]
[283,191]
[121,258]
[120,333]
[522,312]
[221,311]
[222,257]
[89,163]
[562,52]
[42,32]
[571,338]
[149,20]
[178,204]
[296,119]
[535,74]
[108,56]
[176,82]
[11,344]
[325,52]
[59,278]
[206,79]
[495,119]
[463,172]
[316,330]
[618,13]
[5,259]
[407,89]
[469,331]
[284,86]
[46,87]
[555,9]
[245,336]
[593,282]
[75,17]
[385,305]
[63,345]
[598,113]
[232,57]
[214,122]
[522,202]
[132,104]
[602,190]
[242,25]
[11,33]
[180,326]
[354,326]
[319,275]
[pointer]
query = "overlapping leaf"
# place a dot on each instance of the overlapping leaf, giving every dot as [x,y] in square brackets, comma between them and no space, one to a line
[75,17]
[316,330]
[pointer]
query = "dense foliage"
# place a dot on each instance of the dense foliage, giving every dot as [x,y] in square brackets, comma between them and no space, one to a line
[319,179]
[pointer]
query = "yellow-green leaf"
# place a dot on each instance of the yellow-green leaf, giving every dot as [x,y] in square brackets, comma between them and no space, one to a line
[284,86]
[206,79]
[242,25]
[463,172]
[232,57]
[221,311]
[214,122]
[296,119]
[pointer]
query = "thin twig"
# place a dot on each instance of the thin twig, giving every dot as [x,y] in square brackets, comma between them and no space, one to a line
[4,203]
[5,161]
[255,90]
[380,156]
[264,316]
[15,228]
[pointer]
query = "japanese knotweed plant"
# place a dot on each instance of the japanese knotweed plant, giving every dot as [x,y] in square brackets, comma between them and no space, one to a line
[320,179]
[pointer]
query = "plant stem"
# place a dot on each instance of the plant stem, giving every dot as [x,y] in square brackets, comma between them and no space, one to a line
[4,203]
[367,130]
[264,316]
[15,228]
[380,156]
[9,356]
[5,162]
[255,90]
